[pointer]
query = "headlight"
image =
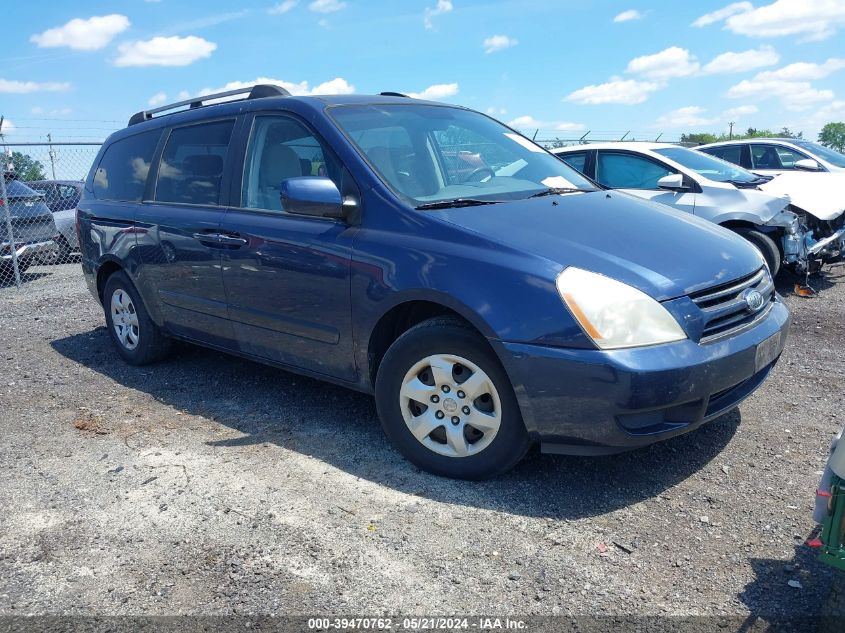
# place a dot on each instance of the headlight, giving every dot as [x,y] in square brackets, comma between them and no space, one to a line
[614,314]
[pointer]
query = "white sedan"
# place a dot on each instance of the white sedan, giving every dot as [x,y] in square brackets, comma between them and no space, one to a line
[770,156]
[797,219]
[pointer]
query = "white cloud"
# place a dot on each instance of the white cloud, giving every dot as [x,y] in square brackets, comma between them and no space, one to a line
[668,63]
[726,12]
[627,16]
[435,92]
[794,95]
[731,62]
[336,86]
[443,6]
[55,112]
[528,122]
[814,19]
[494,111]
[164,51]
[804,71]
[617,90]
[740,111]
[498,42]
[24,87]
[83,34]
[157,99]
[282,7]
[327,6]
[690,116]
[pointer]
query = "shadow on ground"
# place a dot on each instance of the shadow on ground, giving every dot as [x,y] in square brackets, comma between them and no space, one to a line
[793,595]
[340,427]
[823,280]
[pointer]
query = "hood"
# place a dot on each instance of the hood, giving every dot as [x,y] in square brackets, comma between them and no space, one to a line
[663,252]
[819,194]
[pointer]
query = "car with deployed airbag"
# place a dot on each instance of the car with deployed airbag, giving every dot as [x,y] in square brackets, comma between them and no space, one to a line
[487,294]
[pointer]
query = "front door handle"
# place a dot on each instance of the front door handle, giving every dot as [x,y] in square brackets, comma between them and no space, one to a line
[218,239]
[233,240]
[207,238]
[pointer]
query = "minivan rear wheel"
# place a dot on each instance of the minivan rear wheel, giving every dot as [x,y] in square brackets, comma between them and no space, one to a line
[446,403]
[767,247]
[137,339]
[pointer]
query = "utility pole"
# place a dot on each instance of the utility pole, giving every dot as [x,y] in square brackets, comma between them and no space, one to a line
[52,155]
[731,132]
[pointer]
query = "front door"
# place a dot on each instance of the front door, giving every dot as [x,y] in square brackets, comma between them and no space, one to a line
[178,233]
[288,282]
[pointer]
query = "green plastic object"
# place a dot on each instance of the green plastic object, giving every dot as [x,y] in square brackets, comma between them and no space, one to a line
[832,536]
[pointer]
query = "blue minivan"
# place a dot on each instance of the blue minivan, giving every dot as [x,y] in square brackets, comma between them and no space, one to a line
[485,292]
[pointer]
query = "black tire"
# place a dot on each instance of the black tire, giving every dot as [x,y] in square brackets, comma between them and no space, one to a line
[152,345]
[450,337]
[832,612]
[767,247]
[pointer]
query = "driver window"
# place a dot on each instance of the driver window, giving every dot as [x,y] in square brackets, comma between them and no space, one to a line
[788,157]
[282,148]
[627,171]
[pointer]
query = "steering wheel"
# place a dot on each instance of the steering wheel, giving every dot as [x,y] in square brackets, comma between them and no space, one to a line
[473,175]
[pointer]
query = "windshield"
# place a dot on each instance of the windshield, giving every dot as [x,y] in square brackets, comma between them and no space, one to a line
[707,165]
[825,153]
[434,155]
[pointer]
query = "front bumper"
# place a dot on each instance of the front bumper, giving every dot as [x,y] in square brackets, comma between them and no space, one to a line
[28,250]
[597,402]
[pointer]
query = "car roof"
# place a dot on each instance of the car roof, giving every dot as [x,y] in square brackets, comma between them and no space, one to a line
[632,145]
[239,106]
[758,139]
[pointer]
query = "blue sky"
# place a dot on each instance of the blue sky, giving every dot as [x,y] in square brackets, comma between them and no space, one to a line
[564,67]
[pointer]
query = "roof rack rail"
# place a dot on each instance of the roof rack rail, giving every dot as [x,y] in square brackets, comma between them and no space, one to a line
[258,91]
[393,94]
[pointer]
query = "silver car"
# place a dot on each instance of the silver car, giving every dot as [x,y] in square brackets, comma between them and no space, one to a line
[723,193]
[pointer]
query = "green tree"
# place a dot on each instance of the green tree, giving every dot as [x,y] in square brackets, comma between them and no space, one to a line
[833,136]
[699,138]
[26,168]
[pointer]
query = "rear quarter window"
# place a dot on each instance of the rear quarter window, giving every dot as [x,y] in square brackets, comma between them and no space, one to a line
[122,172]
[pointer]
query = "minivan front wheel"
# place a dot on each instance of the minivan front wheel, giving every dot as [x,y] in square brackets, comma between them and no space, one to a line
[137,339]
[446,403]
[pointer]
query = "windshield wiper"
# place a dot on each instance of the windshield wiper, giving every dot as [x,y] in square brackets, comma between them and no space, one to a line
[554,191]
[455,202]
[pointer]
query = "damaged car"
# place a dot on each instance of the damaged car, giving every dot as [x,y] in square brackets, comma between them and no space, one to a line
[786,219]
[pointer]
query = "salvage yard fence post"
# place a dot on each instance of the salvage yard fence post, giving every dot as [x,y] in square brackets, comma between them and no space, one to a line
[39,190]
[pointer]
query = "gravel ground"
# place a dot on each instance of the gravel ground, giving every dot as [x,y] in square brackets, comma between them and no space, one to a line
[212,485]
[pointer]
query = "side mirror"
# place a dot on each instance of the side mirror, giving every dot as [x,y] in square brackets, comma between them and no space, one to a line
[312,195]
[807,164]
[673,182]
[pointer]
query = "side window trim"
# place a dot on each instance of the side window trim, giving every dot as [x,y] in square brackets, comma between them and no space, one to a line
[152,178]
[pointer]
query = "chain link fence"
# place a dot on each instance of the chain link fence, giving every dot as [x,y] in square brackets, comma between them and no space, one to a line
[39,191]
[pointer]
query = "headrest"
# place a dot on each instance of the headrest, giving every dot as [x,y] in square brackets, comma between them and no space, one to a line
[278,162]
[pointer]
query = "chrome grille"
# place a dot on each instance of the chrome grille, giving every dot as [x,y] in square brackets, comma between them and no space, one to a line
[731,307]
